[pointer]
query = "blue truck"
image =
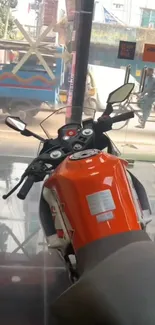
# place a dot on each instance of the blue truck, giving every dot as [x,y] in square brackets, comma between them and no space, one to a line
[25,92]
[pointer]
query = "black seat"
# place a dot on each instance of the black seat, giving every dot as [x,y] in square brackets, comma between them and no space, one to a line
[119,291]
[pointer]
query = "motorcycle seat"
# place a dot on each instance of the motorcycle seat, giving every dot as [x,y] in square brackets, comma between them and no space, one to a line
[119,291]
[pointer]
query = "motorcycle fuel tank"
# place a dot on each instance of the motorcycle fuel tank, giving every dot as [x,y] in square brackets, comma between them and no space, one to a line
[94,195]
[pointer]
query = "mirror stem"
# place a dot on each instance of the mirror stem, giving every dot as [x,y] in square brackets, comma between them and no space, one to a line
[30,133]
[108,110]
[38,137]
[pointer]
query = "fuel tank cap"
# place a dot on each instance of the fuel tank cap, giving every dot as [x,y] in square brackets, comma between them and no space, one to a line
[84,154]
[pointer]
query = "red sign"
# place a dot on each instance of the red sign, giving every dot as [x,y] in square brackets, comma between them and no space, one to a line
[149,53]
[50,12]
[70,7]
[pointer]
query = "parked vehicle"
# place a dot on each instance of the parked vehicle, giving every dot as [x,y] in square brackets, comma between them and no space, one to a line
[25,92]
[90,100]
[93,208]
[107,80]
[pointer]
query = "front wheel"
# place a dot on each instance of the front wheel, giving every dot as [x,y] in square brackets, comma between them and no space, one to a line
[23,110]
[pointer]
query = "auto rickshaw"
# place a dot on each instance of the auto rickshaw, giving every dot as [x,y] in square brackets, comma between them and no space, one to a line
[90,100]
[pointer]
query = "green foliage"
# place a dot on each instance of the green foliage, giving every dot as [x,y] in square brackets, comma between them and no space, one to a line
[3,16]
[12,3]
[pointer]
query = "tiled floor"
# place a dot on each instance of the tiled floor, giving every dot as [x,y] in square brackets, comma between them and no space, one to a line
[29,278]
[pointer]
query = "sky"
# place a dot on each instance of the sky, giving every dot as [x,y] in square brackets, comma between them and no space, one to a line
[29,19]
[22,13]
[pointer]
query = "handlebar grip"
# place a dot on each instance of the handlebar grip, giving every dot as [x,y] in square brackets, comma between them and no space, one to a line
[122,117]
[26,187]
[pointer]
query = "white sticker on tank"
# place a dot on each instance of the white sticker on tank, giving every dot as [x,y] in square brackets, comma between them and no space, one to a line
[105,217]
[100,202]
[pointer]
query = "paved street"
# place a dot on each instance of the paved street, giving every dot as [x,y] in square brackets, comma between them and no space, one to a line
[132,142]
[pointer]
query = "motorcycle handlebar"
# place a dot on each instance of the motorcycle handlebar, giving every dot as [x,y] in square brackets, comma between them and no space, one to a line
[26,187]
[104,124]
[122,117]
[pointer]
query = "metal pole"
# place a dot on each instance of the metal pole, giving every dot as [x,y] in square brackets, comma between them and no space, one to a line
[82,43]
[6,27]
[73,50]
[39,20]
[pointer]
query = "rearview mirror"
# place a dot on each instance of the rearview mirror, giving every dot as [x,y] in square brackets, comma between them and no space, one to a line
[15,123]
[120,94]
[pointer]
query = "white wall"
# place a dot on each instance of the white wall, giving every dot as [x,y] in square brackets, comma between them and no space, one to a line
[130,13]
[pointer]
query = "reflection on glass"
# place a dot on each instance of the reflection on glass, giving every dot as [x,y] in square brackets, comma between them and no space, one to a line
[121,94]
[23,249]
[15,123]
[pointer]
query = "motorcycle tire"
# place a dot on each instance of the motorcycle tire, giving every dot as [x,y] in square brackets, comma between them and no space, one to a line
[23,112]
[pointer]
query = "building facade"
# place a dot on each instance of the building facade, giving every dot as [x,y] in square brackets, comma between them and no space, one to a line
[140,13]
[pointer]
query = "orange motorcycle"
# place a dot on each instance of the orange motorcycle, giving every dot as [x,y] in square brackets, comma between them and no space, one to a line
[93,209]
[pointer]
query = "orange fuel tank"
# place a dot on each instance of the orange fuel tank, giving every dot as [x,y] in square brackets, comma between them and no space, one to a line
[95,193]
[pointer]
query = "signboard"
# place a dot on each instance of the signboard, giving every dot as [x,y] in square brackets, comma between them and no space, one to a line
[149,53]
[138,73]
[126,50]
[50,12]
[70,8]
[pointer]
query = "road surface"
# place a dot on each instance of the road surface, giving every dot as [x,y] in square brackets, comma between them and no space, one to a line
[133,142]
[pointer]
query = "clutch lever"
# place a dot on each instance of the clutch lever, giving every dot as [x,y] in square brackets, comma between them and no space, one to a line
[31,169]
[37,168]
[5,196]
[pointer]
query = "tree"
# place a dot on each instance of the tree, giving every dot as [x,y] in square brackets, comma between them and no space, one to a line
[6,16]
[11,3]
